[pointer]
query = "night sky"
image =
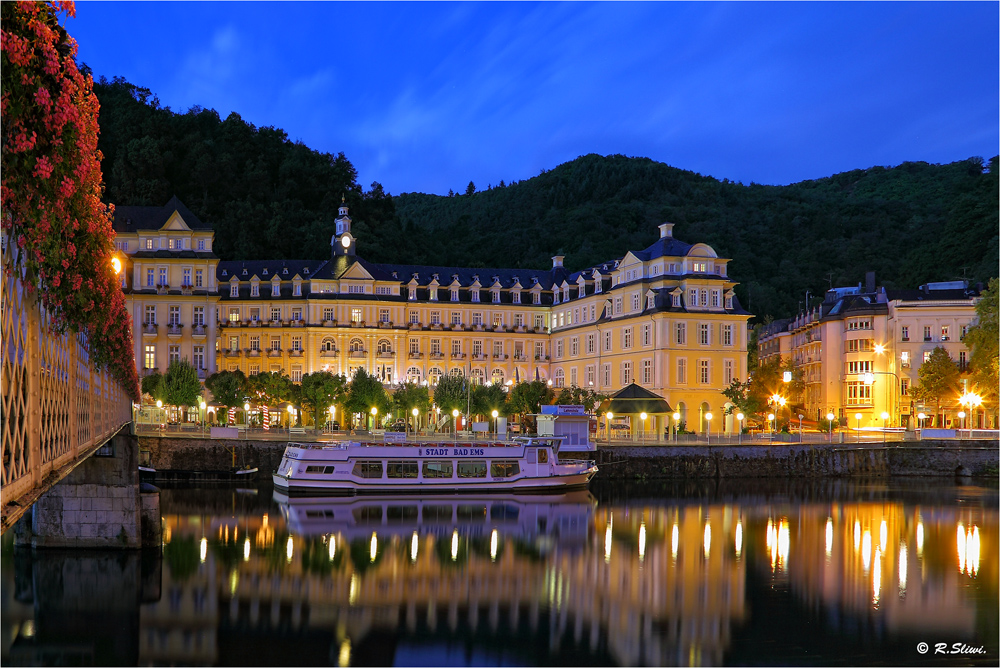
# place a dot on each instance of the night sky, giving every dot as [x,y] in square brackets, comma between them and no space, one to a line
[425,97]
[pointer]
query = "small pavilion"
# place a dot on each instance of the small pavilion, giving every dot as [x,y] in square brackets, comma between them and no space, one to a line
[632,401]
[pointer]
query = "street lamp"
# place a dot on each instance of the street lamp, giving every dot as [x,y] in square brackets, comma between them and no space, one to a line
[708,428]
[415,412]
[884,416]
[961,416]
[920,421]
[642,434]
[246,413]
[770,420]
[829,420]
[374,412]
[333,415]
[495,414]
[454,415]
[739,420]
[800,427]
[857,416]
[201,410]
[677,422]
[608,417]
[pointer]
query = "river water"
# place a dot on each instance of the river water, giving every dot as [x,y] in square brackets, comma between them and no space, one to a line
[776,573]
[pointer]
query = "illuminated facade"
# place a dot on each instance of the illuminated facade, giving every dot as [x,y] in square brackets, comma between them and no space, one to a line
[861,349]
[664,317]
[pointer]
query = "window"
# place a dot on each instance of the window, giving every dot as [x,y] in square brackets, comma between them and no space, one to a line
[456,318]
[198,316]
[704,297]
[559,378]
[412,294]
[944,333]
[572,377]
[647,372]
[681,371]
[149,356]
[927,355]
[859,345]
[729,301]
[297,290]
[965,330]
[163,276]
[727,335]
[680,333]
[962,361]
[859,393]
[497,320]
[454,294]
[591,344]
[234,289]
[379,289]
[414,317]
[703,337]
[173,354]
[516,297]
[627,338]
[472,469]
[297,373]
[199,357]
[327,345]
[254,290]
[727,372]
[904,333]
[275,314]
[539,322]
[438,469]
[477,348]
[504,469]
[607,341]
[234,314]
[275,343]
[150,316]
[904,359]
[355,315]
[475,294]
[904,387]
[536,297]
[367,469]
[456,347]
[636,300]
[692,297]
[606,375]
[435,346]
[328,314]
[435,317]
[864,366]
[297,343]
[149,244]
[675,300]
[703,372]
[414,346]
[559,349]
[715,298]
[255,343]
[626,373]
[360,290]
[201,244]
[618,305]
[590,375]
[574,346]
[383,315]
[860,324]
[356,346]
[477,318]
[186,280]
[496,296]
[402,469]
[539,350]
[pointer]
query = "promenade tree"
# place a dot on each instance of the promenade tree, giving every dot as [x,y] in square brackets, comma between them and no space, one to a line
[938,380]
[408,396]
[320,390]
[366,392]
[228,388]
[526,399]
[181,386]
[983,341]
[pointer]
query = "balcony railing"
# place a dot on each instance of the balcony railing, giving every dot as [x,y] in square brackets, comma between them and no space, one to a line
[357,354]
[328,353]
[273,352]
[149,328]
[295,352]
[175,329]
[199,330]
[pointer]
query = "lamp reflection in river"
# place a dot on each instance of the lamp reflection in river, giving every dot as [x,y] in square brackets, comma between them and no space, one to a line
[607,542]
[332,546]
[778,542]
[674,535]
[454,545]
[968,549]
[866,550]
[857,534]
[289,550]
[883,536]
[344,657]
[642,541]
[414,544]
[902,570]
[708,538]
[739,539]
[920,537]
[493,544]
[204,549]
[246,549]
[374,547]
[829,536]
[877,578]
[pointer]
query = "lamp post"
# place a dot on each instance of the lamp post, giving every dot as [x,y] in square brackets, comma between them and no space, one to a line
[374,416]
[246,413]
[642,434]
[829,422]
[739,421]
[961,417]
[800,427]
[857,416]
[415,412]
[920,424]
[677,423]
[770,424]
[159,412]
[884,416]
[201,411]
[708,428]
[454,415]
[495,415]
[608,417]
[333,415]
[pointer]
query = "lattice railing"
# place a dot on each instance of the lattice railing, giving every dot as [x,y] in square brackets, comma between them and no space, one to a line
[55,405]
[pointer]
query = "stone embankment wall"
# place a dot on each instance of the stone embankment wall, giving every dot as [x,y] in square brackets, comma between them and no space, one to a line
[927,458]
[930,458]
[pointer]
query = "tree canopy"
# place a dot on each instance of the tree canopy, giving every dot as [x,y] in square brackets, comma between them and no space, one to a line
[983,340]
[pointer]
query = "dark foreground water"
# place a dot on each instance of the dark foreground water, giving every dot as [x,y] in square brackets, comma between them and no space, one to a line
[824,573]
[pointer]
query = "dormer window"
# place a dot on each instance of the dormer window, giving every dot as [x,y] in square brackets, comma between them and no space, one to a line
[729,302]
[412,293]
[676,300]
[516,296]
[264,272]
[297,289]
[305,270]
[598,285]
[254,290]
[475,294]
[536,298]
[566,294]
[650,301]
[234,290]
[284,271]
[496,296]
[555,296]
[454,294]
[225,273]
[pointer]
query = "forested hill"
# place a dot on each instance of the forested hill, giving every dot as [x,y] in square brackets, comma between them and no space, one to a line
[266,196]
[910,224]
[270,198]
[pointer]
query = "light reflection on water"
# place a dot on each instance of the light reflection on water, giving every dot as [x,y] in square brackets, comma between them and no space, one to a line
[729,576]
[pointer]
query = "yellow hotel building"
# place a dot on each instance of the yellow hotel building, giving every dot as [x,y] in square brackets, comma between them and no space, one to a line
[664,317]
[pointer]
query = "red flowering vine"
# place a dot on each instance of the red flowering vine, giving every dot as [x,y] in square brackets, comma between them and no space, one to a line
[52,185]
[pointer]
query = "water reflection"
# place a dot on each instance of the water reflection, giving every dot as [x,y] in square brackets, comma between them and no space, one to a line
[723,577]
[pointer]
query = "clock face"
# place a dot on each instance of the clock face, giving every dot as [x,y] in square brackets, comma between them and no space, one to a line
[345,242]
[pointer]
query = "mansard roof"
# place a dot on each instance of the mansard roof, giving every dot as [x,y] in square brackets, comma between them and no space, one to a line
[467,275]
[664,247]
[306,269]
[134,218]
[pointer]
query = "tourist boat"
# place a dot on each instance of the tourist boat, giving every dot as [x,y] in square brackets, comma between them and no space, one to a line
[563,517]
[524,464]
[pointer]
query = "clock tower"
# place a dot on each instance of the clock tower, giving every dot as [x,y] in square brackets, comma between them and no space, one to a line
[343,242]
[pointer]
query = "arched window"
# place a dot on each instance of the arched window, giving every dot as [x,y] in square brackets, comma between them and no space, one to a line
[434,375]
[497,376]
[559,379]
[384,347]
[478,376]
[413,375]
[357,346]
[327,345]
[457,371]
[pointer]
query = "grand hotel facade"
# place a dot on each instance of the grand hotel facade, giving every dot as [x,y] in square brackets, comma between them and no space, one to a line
[664,317]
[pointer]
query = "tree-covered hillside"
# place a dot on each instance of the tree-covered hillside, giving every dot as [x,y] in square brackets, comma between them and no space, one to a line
[910,224]
[268,197]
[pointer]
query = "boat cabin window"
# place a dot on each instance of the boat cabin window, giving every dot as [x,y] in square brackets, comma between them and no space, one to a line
[437,513]
[543,455]
[318,514]
[401,514]
[472,469]
[366,469]
[438,469]
[401,470]
[319,469]
[471,512]
[504,469]
[532,456]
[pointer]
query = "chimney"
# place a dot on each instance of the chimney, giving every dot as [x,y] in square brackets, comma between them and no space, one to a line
[557,261]
[870,282]
[667,231]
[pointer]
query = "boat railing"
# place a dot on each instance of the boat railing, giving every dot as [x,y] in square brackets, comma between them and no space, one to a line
[579,462]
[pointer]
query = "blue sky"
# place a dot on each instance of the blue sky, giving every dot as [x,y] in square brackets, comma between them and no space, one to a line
[427,96]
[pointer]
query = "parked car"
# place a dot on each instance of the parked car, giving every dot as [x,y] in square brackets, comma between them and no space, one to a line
[335,426]
[398,425]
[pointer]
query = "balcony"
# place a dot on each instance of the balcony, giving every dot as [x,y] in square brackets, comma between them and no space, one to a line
[231,352]
[414,325]
[149,328]
[499,356]
[385,355]
[541,358]
[414,355]
[186,289]
[297,323]
[199,330]
[232,323]
[146,371]
[385,324]
[436,326]
[436,356]
[162,288]
[458,356]
[273,352]
[329,323]
[253,352]
[295,352]
[175,329]
[328,353]
[479,356]
[357,354]
[253,322]
[520,357]
[520,329]
[274,323]
[478,328]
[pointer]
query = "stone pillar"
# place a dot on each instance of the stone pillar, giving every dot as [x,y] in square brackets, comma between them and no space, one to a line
[96,506]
